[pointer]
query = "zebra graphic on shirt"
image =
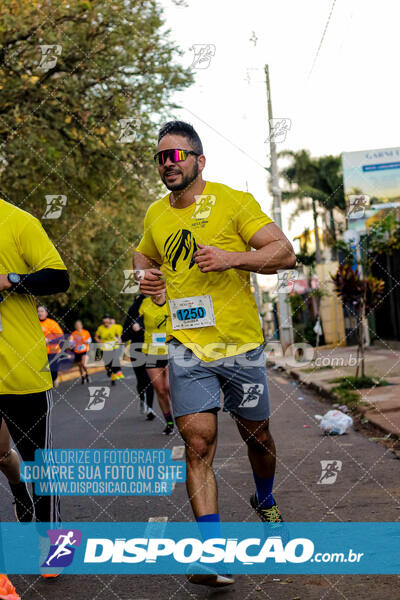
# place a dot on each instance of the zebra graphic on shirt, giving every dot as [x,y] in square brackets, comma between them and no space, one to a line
[180,244]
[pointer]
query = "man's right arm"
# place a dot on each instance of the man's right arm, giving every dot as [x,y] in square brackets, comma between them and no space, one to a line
[150,277]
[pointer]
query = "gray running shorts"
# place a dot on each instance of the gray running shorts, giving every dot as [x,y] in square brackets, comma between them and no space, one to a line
[196,385]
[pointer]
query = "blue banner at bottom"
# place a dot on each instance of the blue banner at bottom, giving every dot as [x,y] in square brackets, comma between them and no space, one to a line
[168,547]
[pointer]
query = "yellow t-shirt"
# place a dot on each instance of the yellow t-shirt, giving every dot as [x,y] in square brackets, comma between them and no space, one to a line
[119,328]
[155,319]
[24,248]
[220,217]
[108,336]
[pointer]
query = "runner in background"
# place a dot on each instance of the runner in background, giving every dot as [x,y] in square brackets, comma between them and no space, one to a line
[154,313]
[133,332]
[7,590]
[80,340]
[53,334]
[118,354]
[107,335]
[118,326]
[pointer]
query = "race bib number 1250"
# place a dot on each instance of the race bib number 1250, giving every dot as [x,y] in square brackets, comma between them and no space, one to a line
[188,313]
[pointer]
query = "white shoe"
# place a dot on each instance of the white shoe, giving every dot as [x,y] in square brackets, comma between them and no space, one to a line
[210,578]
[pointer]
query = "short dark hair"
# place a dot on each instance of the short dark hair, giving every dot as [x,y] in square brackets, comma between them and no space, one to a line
[184,129]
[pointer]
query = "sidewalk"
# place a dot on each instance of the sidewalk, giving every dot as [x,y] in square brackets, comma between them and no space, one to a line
[380,405]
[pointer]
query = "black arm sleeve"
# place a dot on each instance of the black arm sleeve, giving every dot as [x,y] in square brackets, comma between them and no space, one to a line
[43,282]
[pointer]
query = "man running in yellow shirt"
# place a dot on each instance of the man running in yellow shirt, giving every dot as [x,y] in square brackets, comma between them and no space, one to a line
[154,313]
[199,238]
[29,266]
[109,337]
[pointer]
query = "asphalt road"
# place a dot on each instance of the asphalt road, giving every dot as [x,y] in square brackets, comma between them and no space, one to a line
[366,489]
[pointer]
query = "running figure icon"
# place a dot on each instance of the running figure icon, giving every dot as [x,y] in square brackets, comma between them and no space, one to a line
[62,549]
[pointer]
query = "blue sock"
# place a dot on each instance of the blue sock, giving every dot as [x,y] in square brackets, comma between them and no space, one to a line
[210,526]
[264,487]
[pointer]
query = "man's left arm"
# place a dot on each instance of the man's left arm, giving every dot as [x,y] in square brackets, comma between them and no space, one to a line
[48,273]
[273,252]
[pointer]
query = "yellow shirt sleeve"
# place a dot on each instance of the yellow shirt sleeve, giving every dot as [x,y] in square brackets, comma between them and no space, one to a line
[147,245]
[37,249]
[250,217]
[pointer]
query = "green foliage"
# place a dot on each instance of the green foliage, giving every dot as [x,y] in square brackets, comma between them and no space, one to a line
[315,368]
[306,258]
[349,398]
[60,130]
[346,392]
[349,382]
[384,236]
[317,178]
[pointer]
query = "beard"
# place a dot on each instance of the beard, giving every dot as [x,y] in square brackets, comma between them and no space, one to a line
[186,179]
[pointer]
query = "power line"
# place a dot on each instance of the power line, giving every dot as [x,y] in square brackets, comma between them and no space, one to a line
[227,139]
[322,38]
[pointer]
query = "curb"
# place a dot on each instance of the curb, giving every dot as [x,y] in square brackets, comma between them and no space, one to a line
[378,419]
[74,374]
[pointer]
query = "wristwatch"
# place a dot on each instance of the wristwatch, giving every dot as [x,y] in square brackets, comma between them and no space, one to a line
[14,279]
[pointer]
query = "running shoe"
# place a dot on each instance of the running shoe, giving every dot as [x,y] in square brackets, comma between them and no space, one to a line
[271,514]
[50,575]
[7,590]
[120,375]
[209,577]
[168,429]
[23,503]
[142,407]
[114,378]
[150,415]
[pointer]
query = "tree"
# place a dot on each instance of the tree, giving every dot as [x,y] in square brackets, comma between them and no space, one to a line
[84,84]
[314,182]
[361,296]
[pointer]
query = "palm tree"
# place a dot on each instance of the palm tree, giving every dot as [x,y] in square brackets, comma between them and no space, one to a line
[314,182]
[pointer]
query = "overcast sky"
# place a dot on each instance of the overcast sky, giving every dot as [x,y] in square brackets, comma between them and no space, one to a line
[344,97]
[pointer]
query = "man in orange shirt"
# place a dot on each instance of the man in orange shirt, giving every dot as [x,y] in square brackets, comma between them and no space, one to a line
[7,590]
[53,334]
[80,339]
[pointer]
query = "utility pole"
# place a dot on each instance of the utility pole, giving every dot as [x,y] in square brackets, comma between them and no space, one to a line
[285,314]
